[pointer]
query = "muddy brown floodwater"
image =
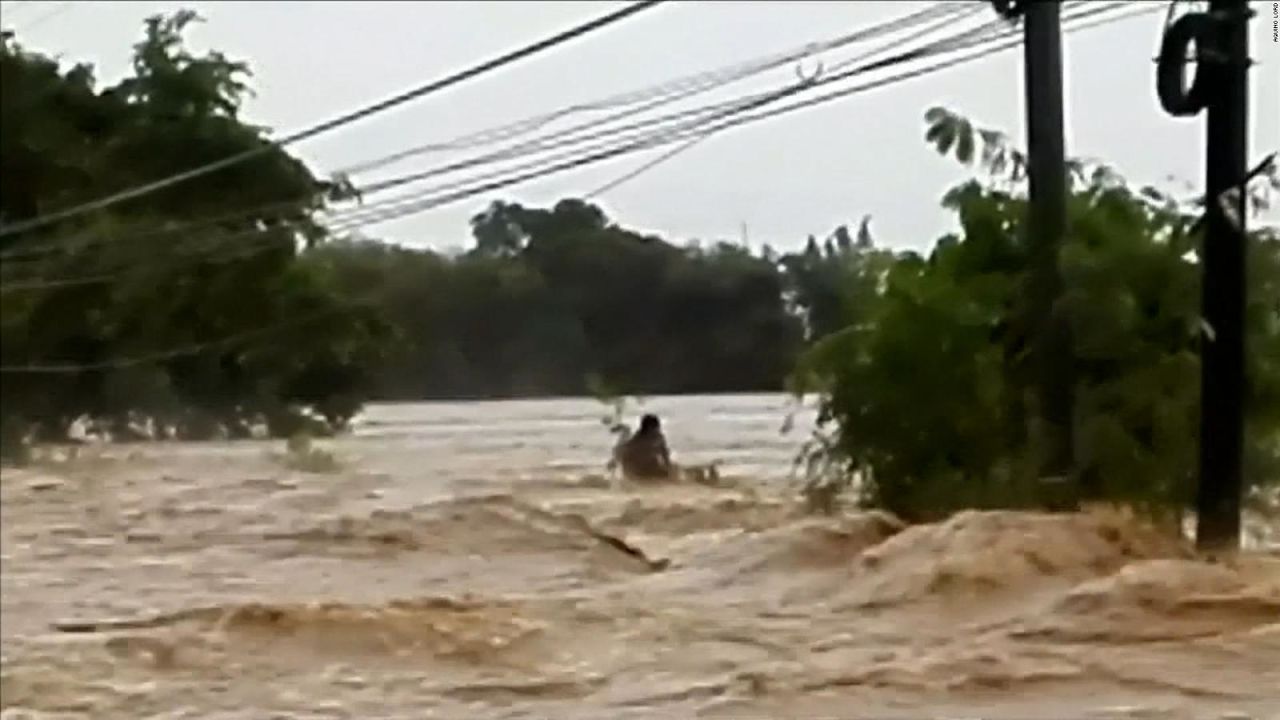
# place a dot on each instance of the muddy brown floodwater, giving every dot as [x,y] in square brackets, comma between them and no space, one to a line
[463,562]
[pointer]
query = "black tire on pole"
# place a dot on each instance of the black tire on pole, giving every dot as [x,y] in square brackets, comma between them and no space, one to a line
[1176,96]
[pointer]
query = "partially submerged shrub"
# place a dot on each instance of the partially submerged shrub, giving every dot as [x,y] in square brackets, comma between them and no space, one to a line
[14,446]
[301,455]
[928,394]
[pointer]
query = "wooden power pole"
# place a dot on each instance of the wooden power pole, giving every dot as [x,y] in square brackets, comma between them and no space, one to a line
[1220,86]
[1051,350]
[1047,226]
[1222,363]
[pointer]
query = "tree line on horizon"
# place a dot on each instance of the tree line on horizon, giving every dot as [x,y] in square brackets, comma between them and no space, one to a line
[543,300]
[241,308]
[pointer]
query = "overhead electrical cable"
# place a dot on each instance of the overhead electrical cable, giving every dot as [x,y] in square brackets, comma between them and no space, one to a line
[690,144]
[418,202]
[726,76]
[661,93]
[268,243]
[340,121]
[545,143]
[238,338]
[394,208]
[46,17]
[717,112]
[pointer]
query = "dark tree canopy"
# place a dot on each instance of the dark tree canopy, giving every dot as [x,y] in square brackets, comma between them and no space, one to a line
[148,275]
[222,301]
[549,298]
[925,391]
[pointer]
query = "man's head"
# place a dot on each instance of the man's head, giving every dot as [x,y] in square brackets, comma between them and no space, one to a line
[650,423]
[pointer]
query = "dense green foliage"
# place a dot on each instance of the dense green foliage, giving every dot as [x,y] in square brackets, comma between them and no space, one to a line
[222,302]
[108,286]
[549,298]
[925,392]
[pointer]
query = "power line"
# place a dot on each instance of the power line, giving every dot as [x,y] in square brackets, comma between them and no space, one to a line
[42,19]
[258,243]
[407,206]
[697,140]
[645,167]
[712,112]
[293,323]
[690,144]
[89,239]
[937,45]
[666,91]
[418,201]
[435,86]
[352,216]
[565,137]
[721,111]
[296,322]
[17,6]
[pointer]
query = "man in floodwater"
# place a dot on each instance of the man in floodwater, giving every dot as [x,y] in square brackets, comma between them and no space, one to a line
[644,456]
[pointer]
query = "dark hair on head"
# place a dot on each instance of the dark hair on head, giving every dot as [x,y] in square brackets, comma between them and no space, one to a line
[650,423]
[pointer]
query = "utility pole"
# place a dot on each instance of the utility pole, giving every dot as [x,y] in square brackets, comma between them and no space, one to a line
[1051,351]
[1222,357]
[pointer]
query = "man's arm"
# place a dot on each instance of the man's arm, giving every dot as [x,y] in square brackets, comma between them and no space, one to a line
[664,454]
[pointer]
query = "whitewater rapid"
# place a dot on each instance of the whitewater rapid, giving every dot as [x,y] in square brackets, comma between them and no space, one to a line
[465,560]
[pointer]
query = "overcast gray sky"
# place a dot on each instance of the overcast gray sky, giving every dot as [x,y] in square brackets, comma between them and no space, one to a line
[783,179]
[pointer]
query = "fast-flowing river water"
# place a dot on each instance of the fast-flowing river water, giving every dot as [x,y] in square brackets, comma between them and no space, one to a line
[468,560]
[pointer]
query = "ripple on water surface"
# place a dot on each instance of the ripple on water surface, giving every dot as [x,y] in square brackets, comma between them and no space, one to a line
[435,576]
